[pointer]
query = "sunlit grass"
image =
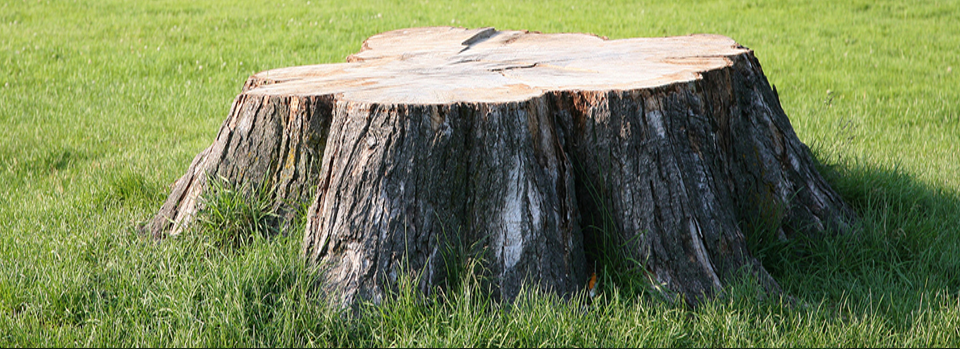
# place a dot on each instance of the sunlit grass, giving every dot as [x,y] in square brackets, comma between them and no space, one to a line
[104,103]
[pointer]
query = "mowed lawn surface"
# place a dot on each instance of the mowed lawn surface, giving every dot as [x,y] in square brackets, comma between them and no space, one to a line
[103,104]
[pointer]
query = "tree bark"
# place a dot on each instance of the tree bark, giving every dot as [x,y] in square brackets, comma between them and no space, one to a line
[272,141]
[684,171]
[404,185]
[439,141]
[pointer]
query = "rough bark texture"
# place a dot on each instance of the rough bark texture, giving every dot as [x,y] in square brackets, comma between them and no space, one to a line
[273,141]
[685,170]
[433,139]
[407,184]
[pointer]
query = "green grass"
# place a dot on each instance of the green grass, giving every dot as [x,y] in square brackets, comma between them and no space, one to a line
[103,104]
[234,215]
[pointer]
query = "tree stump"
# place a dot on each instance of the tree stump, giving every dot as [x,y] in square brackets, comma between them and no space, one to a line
[513,142]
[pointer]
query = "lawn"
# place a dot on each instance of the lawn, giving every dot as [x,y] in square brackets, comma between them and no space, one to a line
[103,104]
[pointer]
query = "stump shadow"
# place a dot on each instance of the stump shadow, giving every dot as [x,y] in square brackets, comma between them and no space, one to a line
[905,249]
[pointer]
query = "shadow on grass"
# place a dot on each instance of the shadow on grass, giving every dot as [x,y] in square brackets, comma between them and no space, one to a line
[905,252]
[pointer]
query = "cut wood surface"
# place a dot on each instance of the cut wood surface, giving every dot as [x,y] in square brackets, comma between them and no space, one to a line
[434,145]
[447,65]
